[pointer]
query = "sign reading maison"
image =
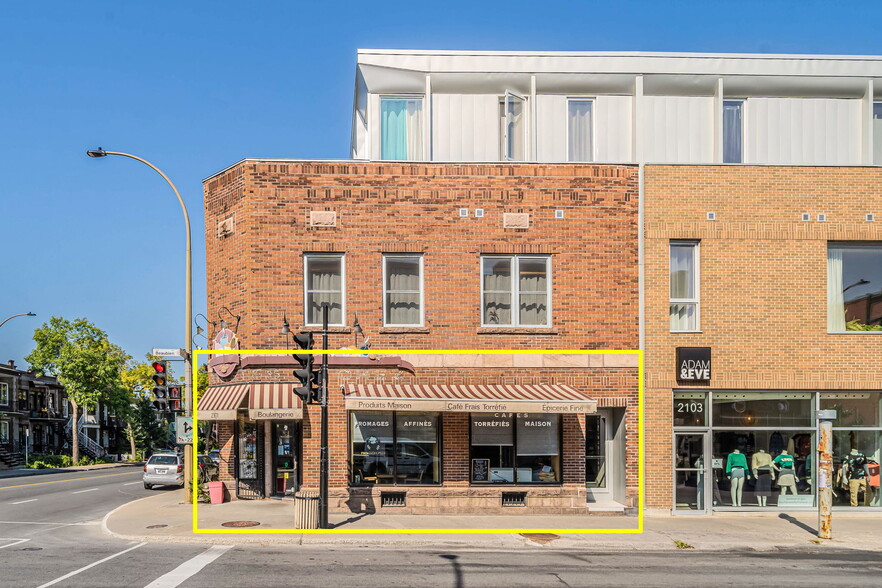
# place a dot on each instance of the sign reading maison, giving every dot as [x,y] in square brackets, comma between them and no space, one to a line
[551,406]
[693,364]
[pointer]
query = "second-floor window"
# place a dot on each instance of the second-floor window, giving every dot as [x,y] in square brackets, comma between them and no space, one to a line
[515,291]
[402,290]
[4,394]
[733,131]
[854,287]
[324,283]
[580,144]
[684,286]
[512,128]
[401,128]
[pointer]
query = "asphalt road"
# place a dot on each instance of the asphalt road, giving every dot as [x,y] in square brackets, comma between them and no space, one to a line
[50,535]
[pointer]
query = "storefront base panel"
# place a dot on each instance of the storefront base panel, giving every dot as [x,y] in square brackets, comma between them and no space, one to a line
[472,500]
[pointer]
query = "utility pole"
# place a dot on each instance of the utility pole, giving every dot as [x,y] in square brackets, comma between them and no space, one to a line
[825,473]
[325,465]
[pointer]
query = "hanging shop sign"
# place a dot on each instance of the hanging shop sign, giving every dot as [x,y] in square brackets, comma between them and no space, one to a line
[694,364]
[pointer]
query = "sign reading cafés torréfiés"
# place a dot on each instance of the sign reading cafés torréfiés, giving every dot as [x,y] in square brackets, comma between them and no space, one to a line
[587,407]
[693,364]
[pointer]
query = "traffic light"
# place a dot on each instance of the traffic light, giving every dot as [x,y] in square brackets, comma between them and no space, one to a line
[160,388]
[174,398]
[310,377]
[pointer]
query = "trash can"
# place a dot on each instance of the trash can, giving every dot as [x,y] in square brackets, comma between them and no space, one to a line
[216,491]
[306,509]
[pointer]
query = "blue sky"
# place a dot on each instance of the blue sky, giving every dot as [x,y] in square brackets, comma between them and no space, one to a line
[196,86]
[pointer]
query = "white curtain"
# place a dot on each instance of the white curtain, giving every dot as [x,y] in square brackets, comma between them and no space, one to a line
[682,287]
[403,291]
[579,130]
[533,286]
[325,286]
[497,291]
[835,300]
[414,131]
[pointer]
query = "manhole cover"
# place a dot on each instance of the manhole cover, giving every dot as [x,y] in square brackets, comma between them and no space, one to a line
[541,538]
[31,549]
[157,526]
[240,524]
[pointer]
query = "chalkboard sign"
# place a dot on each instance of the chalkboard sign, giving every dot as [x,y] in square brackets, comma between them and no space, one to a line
[480,470]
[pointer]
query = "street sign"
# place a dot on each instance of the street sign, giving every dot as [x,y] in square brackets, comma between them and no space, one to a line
[162,352]
[184,430]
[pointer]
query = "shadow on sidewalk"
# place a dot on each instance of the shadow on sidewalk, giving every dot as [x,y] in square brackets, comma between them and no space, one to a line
[349,520]
[799,524]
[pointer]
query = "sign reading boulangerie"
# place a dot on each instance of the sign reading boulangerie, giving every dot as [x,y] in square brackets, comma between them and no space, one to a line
[694,364]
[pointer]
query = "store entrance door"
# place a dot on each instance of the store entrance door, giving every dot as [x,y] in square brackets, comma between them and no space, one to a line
[286,458]
[693,484]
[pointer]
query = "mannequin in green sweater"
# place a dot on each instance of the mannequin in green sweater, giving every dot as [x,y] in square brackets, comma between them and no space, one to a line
[736,469]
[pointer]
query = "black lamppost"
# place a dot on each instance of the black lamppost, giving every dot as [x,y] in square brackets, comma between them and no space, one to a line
[860,282]
[15,315]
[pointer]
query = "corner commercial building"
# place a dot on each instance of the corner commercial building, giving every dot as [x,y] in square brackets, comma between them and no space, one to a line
[469,168]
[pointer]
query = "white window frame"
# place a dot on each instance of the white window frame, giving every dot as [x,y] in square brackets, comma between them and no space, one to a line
[743,102]
[876,158]
[306,258]
[504,154]
[696,284]
[593,101]
[515,290]
[386,292]
[4,394]
[422,99]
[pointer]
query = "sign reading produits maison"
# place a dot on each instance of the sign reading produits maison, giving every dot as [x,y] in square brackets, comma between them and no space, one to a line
[694,364]
[587,407]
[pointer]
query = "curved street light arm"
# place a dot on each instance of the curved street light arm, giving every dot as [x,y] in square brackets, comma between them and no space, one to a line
[15,315]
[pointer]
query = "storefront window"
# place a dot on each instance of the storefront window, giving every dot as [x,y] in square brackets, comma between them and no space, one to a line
[522,448]
[760,468]
[762,409]
[690,409]
[854,409]
[395,448]
[856,459]
[595,451]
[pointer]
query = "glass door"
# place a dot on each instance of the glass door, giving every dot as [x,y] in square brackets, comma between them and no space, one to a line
[692,479]
[596,451]
[285,458]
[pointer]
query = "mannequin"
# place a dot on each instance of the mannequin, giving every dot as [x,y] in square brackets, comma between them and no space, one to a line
[761,464]
[736,469]
[857,472]
[699,484]
[787,477]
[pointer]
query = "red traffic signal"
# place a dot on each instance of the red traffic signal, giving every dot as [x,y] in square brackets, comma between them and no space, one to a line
[160,367]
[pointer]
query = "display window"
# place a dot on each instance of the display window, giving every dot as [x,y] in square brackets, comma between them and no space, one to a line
[856,459]
[395,447]
[762,409]
[690,409]
[515,448]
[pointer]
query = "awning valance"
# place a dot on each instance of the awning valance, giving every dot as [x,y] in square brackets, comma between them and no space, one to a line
[219,403]
[274,401]
[550,398]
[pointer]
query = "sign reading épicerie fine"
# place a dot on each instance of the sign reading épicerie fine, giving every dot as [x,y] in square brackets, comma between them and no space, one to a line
[693,364]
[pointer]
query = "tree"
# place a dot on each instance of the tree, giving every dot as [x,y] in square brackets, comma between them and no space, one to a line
[143,428]
[80,356]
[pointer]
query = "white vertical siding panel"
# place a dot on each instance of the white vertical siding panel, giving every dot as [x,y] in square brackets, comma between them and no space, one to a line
[374,122]
[803,131]
[612,115]
[551,128]
[679,129]
[464,127]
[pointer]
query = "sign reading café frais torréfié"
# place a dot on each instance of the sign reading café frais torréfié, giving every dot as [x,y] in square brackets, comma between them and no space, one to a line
[694,364]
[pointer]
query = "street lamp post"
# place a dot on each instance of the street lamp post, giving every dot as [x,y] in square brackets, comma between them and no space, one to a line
[188,319]
[15,315]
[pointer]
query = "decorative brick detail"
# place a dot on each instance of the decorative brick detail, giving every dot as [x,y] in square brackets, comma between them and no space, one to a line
[516,220]
[322,218]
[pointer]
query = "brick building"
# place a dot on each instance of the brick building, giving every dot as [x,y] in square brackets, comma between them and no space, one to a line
[431,256]
[766,281]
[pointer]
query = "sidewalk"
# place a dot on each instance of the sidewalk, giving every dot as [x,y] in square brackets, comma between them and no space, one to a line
[22,472]
[167,518]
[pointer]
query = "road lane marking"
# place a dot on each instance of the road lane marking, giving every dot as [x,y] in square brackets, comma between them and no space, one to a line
[90,566]
[16,541]
[23,501]
[180,574]
[130,483]
[71,480]
[81,491]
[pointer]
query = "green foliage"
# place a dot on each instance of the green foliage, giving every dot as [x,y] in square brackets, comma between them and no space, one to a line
[856,325]
[80,356]
[201,491]
[149,432]
[40,462]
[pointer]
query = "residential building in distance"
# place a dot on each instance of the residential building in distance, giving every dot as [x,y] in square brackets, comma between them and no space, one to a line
[718,212]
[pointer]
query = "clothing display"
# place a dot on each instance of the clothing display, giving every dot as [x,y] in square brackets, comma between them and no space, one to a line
[855,465]
[855,487]
[784,461]
[763,485]
[874,473]
[736,460]
[760,459]
[776,443]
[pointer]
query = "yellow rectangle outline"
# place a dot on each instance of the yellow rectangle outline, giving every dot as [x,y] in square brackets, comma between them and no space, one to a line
[640,445]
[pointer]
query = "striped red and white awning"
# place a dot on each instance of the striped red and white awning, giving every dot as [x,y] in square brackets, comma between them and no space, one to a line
[219,403]
[550,398]
[274,401]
